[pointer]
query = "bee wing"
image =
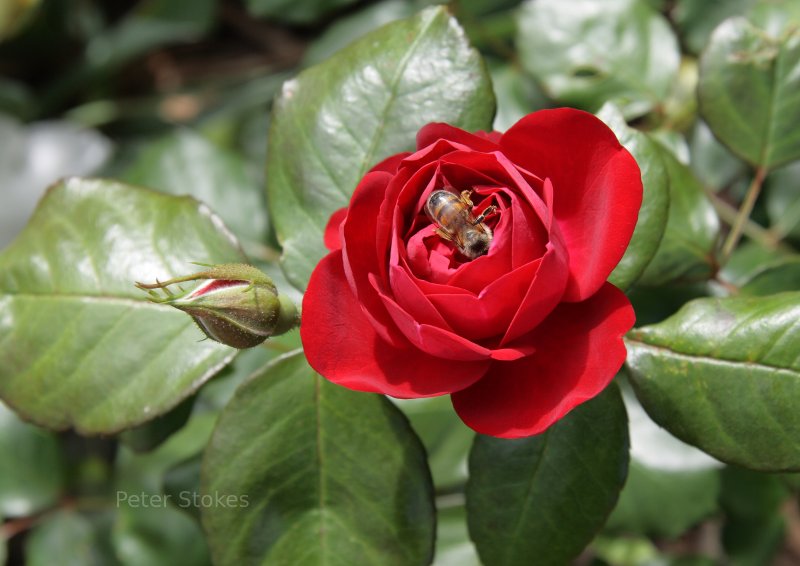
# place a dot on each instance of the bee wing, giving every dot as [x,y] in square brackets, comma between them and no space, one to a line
[444,234]
[458,240]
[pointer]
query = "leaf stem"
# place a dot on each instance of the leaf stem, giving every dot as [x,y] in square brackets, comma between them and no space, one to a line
[744,215]
[752,230]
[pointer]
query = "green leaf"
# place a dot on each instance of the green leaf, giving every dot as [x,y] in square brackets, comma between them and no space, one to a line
[68,538]
[783,201]
[548,495]
[747,260]
[295,11]
[774,277]
[517,95]
[33,157]
[776,17]
[724,375]
[31,467]
[150,24]
[82,347]
[687,249]
[446,438]
[696,20]
[753,531]
[155,533]
[711,161]
[318,474]
[664,503]
[152,433]
[345,30]
[336,120]
[655,203]
[185,163]
[671,486]
[749,92]
[586,52]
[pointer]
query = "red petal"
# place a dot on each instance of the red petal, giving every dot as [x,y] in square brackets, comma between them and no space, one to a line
[360,258]
[331,236]
[432,132]
[343,347]
[579,349]
[390,164]
[598,188]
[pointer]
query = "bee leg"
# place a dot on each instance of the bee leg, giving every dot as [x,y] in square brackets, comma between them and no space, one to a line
[489,210]
[465,197]
[443,235]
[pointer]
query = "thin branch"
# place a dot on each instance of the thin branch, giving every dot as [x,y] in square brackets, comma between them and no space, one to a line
[743,215]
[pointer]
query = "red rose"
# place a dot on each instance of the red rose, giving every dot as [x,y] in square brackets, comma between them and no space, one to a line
[519,336]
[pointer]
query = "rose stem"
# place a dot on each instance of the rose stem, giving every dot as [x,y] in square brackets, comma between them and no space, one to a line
[744,214]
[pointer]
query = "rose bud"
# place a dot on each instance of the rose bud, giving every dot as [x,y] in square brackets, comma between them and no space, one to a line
[234,304]
[476,267]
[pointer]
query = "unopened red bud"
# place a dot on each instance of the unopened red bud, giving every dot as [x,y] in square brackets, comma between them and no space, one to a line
[235,304]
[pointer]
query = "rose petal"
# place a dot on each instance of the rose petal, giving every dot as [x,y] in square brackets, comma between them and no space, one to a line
[433,132]
[543,293]
[489,313]
[579,349]
[360,257]
[598,188]
[341,344]
[331,237]
[443,343]
[390,164]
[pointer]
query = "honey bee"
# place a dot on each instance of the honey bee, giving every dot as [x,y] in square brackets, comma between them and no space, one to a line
[454,221]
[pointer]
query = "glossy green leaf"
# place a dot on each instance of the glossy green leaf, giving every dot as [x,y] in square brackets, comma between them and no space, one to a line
[31,467]
[655,202]
[749,92]
[295,11]
[546,496]
[664,503]
[586,52]
[68,538]
[185,163]
[318,474]
[336,120]
[686,252]
[82,347]
[446,438]
[724,375]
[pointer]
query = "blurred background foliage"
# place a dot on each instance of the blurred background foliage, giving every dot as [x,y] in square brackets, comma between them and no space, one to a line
[176,94]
